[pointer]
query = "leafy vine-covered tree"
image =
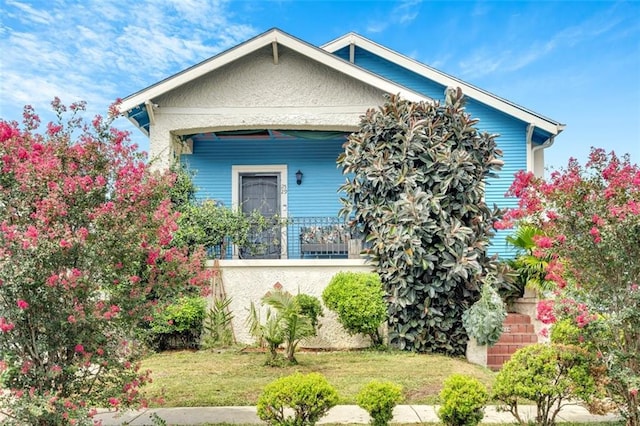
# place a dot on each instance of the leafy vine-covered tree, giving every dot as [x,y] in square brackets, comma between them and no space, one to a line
[415,189]
[85,257]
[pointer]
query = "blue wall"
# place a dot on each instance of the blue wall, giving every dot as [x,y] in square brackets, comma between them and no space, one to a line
[316,196]
[512,139]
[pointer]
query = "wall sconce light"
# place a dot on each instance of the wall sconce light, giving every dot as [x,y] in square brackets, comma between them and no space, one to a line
[298,177]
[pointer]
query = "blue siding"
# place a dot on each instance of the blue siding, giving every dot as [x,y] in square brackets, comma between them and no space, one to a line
[316,196]
[511,130]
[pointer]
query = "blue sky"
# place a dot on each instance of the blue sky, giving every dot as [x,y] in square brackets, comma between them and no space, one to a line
[575,62]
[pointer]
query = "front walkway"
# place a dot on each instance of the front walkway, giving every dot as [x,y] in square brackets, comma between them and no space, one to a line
[343,414]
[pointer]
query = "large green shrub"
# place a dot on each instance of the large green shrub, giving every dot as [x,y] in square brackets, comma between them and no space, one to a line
[463,401]
[415,189]
[378,399]
[549,375]
[358,299]
[179,325]
[309,396]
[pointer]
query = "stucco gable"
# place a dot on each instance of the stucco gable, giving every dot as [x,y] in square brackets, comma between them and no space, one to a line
[255,81]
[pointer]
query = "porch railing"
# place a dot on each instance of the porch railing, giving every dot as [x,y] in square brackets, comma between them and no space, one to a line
[295,238]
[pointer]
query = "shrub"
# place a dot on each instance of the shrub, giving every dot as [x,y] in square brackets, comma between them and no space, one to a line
[85,256]
[292,319]
[590,217]
[217,324]
[483,320]
[415,190]
[310,307]
[310,396]
[357,298]
[549,375]
[179,325]
[378,399]
[463,401]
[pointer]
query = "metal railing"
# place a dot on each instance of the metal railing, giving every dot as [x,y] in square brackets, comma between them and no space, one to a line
[293,238]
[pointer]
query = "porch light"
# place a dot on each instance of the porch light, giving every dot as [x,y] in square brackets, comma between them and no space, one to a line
[298,177]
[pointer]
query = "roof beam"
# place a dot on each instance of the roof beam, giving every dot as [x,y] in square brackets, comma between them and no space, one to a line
[150,106]
[274,46]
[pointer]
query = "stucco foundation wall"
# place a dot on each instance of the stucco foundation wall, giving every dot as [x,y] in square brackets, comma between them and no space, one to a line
[247,281]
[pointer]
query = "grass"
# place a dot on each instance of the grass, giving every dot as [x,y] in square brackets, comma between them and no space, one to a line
[210,378]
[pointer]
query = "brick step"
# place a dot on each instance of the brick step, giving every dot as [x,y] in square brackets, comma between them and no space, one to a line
[505,348]
[518,328]
[517,338]
[517,319]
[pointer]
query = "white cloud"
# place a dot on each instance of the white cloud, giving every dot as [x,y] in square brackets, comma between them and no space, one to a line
[98,51]
[404,13]
[512,55]
[28,14]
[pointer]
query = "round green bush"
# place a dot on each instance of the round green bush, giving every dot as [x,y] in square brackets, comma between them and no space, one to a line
[358,299]
[378,399]
[179,325]
[309,396]
[463,401]
[548,375]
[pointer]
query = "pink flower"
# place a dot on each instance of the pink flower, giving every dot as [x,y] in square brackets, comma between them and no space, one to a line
[542,241]
[22,304]
[595,233]
[79,348]
[597,220]
[544,312]
[633,392]
[71,319]
[5,326]
[65,244]
[114,402]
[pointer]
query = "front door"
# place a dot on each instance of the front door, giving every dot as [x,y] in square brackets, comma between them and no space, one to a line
[260,192]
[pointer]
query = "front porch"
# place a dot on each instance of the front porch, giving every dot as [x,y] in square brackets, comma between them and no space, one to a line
[295,238]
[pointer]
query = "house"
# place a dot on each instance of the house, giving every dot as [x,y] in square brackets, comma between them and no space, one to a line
[263,123]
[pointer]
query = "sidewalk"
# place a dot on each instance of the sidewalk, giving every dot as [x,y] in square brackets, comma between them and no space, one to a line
[343,414]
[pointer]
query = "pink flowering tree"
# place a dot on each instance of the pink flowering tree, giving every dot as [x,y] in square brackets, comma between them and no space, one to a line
[590,219]
[85,258]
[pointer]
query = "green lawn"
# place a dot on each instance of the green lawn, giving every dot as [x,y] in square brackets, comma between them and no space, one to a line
[210,378]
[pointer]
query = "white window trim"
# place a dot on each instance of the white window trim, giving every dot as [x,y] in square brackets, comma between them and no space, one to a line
[236,171]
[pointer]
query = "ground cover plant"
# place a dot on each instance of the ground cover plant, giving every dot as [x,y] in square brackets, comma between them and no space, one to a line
[85,259]
[219,378]
[415,190]
[589,218]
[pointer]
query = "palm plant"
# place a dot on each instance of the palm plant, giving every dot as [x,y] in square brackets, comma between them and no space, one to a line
[530,268]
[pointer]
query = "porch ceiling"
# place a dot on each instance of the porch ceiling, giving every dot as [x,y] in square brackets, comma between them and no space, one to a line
[265,134]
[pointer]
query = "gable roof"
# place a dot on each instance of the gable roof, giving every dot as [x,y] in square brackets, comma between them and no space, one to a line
[352,39]
[134,105]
